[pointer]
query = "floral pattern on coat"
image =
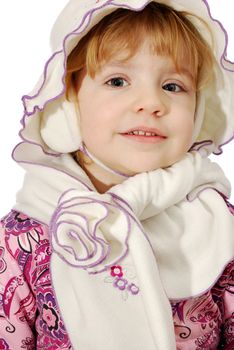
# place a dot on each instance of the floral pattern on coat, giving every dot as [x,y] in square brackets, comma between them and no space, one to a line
[30,318]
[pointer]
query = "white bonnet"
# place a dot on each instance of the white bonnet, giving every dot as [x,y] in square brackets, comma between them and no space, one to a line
[51,122]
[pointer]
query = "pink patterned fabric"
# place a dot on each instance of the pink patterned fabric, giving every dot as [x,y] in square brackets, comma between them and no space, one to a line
[30,318]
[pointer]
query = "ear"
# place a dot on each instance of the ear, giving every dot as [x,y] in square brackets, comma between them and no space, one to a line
[60,125]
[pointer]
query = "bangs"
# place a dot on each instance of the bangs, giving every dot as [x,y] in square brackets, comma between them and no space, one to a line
[170,33]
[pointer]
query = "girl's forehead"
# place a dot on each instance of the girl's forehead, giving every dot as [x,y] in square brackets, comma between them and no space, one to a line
[145,51]
[141,59]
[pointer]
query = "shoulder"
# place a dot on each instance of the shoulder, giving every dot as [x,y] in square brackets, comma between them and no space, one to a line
[28,300]
[20,232]
[16,223]
[24,243]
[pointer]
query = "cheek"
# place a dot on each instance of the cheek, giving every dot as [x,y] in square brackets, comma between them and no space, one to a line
[187,134]
[187,118]
[88,118]
[183,126]
[93,131]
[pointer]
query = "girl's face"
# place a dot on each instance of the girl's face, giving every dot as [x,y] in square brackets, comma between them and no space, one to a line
[139,115]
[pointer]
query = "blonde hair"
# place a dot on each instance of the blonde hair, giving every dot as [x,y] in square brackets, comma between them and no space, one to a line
[171,34]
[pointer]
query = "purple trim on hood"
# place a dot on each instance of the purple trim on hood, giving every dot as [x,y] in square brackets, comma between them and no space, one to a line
[132,8]
[223,57]
[223,144]
[24,97]
[198,145]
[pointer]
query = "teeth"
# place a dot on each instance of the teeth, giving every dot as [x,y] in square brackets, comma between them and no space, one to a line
[142,133]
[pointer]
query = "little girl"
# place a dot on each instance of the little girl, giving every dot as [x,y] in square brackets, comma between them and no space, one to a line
[122,236]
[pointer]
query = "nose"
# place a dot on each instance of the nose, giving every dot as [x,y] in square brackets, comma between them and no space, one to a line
[151,101]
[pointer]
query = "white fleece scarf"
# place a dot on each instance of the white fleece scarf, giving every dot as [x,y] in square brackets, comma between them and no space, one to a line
[169,230]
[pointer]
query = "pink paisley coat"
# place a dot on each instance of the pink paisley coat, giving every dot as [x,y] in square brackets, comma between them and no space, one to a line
[29,314]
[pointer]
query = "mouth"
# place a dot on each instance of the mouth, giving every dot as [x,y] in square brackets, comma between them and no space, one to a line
[143,138]
[144,134]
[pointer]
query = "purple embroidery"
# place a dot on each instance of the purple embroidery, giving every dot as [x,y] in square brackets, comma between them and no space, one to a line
[133,288]
[119,278]
[120,283]
[116,271]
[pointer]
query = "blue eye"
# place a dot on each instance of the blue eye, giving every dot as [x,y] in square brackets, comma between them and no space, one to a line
[173,87]
[116,82]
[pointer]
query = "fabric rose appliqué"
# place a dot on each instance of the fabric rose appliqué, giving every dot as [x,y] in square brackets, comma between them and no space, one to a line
[90,231]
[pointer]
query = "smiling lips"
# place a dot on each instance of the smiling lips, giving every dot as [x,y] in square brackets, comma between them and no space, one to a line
[144,134]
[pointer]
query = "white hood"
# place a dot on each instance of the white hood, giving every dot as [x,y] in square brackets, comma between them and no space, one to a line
[214,116]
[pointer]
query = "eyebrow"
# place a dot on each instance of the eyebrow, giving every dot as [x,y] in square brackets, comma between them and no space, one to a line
[183,71]
[127,64]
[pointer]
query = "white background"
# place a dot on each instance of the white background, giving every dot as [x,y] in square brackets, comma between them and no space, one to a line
[24,32]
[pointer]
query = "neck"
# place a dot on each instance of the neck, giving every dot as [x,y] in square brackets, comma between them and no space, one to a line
[101,178]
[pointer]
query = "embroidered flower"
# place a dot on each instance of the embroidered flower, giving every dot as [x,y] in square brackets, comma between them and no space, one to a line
[123,284]
[120,283]
[133,288]
[116,271]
